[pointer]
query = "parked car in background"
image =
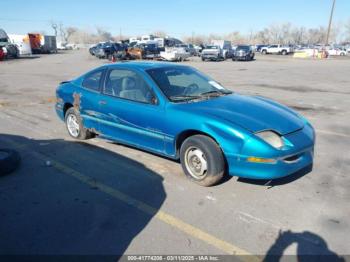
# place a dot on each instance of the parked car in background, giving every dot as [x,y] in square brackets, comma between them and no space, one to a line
[93,48]
[23,44]
[225,46]
[198,49]
[149,51]
[135,51]
[9,50]
[144,51]
[70,46]
[213,53]
[243,52]
[189,48]
[61,46]
[107,49]
[175,54]
[2,54]
[277,49]
[337,52]
[180,113]
[259,47]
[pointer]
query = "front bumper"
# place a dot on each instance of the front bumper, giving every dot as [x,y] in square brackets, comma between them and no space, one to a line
[287,163]
[239,166]
[210,56]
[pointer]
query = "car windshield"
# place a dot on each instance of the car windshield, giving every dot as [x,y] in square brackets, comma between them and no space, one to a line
[186,84]
[211,47]
[243,47]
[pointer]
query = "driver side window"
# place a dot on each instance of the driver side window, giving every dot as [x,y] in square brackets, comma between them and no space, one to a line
[127,84]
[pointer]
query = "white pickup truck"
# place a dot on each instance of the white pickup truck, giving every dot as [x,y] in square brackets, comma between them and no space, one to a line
[277,49]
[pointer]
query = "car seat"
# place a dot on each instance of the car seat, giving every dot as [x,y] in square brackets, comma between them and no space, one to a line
[130,91]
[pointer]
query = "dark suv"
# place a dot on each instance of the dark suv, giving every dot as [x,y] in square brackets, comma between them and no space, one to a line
[243,52]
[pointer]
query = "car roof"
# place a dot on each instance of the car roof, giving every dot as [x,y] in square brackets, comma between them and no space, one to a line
[143,65]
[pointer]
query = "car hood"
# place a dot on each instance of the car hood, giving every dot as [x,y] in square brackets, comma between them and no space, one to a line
[252,113]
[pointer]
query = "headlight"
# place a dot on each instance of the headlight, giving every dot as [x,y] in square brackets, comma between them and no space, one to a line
[271,138]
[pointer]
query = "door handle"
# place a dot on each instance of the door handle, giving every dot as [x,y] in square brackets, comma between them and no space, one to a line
[102,102]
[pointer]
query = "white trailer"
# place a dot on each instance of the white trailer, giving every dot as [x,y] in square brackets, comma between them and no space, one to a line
[22,42]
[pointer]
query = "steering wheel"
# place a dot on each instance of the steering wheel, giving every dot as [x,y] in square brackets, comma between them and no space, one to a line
[191,89]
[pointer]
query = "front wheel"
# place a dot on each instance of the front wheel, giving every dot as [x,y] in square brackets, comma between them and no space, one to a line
[75,126]
[202,160]
[284,52]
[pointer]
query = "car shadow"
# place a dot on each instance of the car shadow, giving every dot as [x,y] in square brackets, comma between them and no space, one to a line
[279,181]
[28,57]
[74,198]
[310,248]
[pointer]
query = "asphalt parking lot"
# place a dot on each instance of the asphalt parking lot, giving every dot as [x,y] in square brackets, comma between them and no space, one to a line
[98,197]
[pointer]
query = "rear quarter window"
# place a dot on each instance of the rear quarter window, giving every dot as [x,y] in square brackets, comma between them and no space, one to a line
[92,81]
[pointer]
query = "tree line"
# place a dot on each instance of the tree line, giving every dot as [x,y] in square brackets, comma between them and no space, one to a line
[285,33]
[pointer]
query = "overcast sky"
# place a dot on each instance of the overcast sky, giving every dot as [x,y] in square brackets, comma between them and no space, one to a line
[177,17]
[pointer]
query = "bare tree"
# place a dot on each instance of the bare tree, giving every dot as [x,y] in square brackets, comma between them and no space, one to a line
[347,30]
[66,32]
[196,39]
[54,26]
[103,34]
[159,33]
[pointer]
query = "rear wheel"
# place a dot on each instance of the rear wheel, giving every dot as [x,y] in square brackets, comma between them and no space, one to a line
[75,126]
[202,160]
[264,52]
[284,52]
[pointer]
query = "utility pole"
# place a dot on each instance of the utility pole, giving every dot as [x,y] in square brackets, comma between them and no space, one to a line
[120,34]
[330,23]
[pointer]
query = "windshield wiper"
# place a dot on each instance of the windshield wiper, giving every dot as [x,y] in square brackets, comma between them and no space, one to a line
[184,97]
[219,92]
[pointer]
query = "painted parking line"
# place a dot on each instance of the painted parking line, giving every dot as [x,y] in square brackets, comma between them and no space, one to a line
[177,223]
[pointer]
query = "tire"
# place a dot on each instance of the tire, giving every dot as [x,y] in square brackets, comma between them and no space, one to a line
[342,54]
[203,59]
[9,161]
[81,133]
[264,52]
[198,150]
[284,52]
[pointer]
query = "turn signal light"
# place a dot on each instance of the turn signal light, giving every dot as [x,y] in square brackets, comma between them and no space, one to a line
[261,160]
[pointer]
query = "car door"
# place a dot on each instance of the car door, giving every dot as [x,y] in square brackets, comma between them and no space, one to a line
[86,98]
[130,110]
[273,49]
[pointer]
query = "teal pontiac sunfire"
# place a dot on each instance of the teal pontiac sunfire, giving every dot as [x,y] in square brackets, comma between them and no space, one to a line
[178,112]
